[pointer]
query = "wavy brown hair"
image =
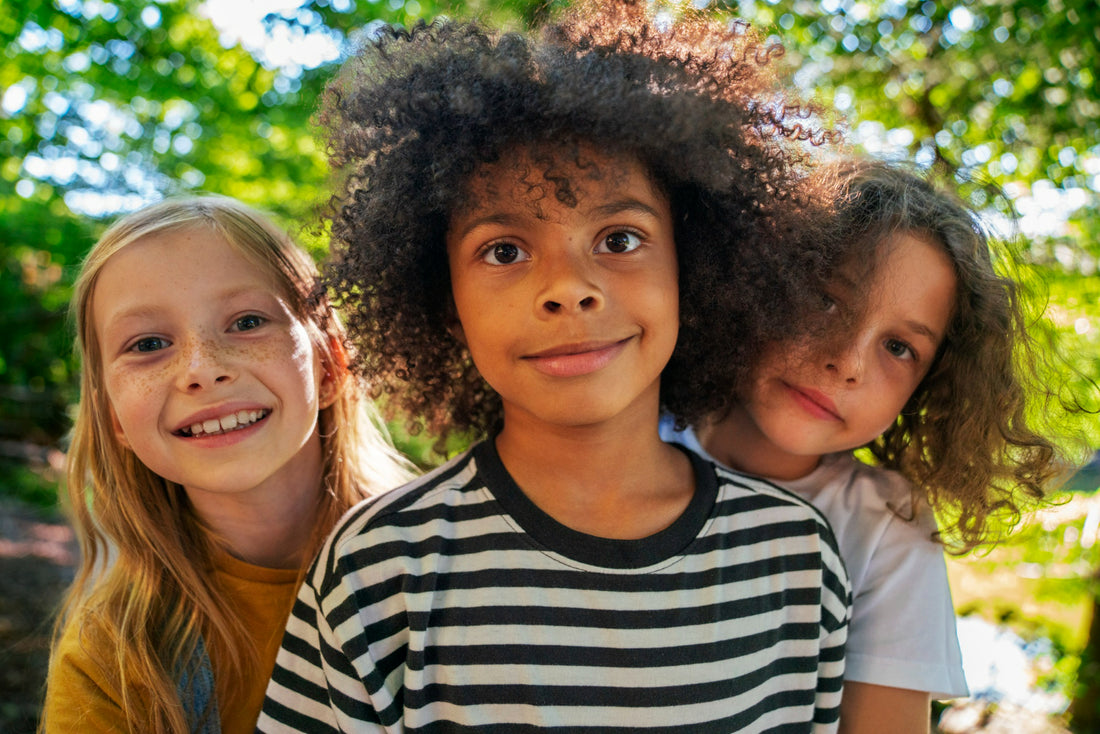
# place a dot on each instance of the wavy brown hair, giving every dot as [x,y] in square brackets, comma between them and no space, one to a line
[971,438]
[145,586]
[411,119]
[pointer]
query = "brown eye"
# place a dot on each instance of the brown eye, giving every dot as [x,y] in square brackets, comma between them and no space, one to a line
[504,253]
[619,242]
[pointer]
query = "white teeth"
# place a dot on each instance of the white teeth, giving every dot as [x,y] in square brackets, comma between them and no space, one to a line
[231,422]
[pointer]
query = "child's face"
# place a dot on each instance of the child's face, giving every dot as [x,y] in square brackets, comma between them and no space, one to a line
[843,394]
[570,313]
[212,381]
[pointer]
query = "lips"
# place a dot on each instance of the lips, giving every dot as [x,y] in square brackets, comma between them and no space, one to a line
[814,402]
[214,426]
[573,360]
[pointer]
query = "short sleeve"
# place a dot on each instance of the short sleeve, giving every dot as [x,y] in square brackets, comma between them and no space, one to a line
[902,632]
[80,696]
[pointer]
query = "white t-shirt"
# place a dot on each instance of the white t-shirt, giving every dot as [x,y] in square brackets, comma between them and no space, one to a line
[902,631]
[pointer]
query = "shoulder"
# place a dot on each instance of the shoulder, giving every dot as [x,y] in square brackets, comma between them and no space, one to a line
[757,494]
[785,538]
[410,513]
[878,488]
[84,639]
[881,533]
[864,499]
[899,582]
[82,691]
[763,512]
[426,497]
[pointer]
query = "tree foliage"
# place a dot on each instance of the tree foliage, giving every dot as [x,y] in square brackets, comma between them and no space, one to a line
[1006,91]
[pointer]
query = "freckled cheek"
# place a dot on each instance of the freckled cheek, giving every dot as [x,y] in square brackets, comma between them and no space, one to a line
[134,395]
[294,354]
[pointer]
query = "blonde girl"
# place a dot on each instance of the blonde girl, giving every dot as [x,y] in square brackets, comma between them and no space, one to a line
[218,437]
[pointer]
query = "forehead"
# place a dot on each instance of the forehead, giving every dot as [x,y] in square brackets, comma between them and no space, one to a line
[191,248]
[907,252]
[916,274]
[192,260]
[541,180]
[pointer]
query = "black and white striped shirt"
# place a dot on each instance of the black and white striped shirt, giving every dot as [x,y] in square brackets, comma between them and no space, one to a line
[454,604]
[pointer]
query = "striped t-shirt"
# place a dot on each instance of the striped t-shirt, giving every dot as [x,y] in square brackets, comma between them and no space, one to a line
[454,604]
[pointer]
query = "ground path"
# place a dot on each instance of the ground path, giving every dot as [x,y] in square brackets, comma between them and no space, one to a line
[37,556]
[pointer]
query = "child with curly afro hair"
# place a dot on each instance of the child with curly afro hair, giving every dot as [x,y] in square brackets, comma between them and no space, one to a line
[540,240]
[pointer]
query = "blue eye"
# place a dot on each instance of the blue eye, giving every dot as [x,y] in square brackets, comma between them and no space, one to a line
[149,344]
[249,322]
[619,242]
[504,253]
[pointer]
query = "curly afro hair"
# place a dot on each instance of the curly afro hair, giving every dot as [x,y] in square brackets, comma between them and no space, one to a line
[413,116]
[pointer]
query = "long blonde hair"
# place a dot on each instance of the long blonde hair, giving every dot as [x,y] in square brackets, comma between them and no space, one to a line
[145,580]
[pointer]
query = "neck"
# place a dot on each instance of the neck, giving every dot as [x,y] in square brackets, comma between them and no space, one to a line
[273,524]
[612,480]
[736,441]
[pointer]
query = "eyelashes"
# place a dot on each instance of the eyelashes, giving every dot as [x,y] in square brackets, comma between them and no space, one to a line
[618,242]
[504,253]
[149,344]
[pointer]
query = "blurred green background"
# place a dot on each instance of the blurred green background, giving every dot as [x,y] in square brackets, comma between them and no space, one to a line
[105,106]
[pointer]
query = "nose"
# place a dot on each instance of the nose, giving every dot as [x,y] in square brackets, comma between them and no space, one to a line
[570,286]
[204,365]
[846,362]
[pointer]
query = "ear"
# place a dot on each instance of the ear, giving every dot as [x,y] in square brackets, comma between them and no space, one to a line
[330,389]
[454,324]
[120,435]
[455,329]
[335,370]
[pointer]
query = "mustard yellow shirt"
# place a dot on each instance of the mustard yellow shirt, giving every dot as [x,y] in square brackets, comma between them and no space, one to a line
[82,697]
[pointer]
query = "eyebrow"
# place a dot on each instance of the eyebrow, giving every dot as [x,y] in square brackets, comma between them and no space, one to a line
[111,321]
[504,218]
[142,311]
[920,328]
[624,205]
[841,280]
[603,210]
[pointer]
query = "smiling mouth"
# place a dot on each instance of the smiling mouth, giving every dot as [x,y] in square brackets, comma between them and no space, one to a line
[226,424]
[573,350]
[578,359]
